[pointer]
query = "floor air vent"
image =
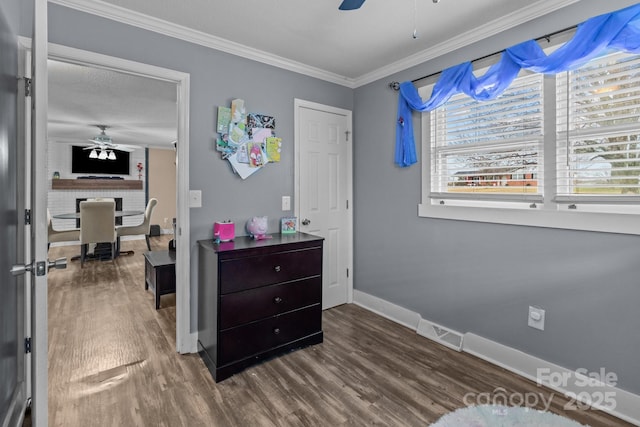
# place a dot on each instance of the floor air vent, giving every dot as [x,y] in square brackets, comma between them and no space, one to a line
[437,333]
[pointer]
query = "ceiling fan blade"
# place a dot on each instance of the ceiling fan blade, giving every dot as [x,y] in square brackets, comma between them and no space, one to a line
[125,147]
[351,4]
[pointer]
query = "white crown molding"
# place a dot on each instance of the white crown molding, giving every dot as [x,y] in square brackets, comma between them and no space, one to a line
[126,16]
[521,16]
[146,22]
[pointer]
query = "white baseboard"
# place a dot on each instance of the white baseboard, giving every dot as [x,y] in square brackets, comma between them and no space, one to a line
[627,405]
[386,309]
[565,381]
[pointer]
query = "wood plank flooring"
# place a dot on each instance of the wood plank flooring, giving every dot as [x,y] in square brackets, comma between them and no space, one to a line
[112,362]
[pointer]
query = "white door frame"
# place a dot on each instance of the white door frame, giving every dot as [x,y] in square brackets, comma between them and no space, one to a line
[298,104]
[37,201]
[186,341]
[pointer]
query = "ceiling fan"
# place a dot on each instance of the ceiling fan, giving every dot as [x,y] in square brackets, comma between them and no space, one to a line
[102,146]
[356,4]
[351,4]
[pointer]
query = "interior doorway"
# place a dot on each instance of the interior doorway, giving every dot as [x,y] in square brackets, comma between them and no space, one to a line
[185,340]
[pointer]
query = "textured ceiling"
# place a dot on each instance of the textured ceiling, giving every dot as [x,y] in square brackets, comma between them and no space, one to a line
[138,111]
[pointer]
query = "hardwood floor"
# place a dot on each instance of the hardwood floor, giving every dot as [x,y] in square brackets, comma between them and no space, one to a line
[112,362]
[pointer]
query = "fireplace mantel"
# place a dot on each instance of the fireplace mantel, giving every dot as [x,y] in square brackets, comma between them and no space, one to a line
[96,184]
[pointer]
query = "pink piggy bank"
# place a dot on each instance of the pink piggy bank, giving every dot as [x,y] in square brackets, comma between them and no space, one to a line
[257,227]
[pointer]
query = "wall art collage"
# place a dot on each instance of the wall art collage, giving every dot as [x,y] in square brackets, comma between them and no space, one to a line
[247,140]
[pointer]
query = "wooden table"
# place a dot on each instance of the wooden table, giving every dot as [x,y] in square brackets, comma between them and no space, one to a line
[160,273]
[76,215]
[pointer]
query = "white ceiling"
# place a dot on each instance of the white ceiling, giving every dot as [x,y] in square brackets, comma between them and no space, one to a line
[313,37]
[137,110]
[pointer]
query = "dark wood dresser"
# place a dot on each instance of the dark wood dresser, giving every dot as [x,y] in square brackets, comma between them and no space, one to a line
[257,299]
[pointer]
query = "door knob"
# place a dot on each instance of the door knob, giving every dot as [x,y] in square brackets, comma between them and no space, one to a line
[58,264]
[37,268]
[20,269]
[306,221]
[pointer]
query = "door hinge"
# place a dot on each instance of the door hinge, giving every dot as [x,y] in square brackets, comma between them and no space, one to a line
[347,273]
[27,86]
[347,204]
[27,345]
[27,217]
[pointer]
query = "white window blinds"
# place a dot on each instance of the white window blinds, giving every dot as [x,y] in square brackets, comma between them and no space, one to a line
[598,151]
[490,150]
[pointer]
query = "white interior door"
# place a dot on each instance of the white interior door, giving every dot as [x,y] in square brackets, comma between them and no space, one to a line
[323,192]
[39,378]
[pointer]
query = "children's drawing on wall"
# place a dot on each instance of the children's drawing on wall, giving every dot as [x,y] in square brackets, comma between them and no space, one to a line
[247,141]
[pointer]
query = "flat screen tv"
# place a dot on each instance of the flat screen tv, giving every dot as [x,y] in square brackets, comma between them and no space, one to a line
[82,163]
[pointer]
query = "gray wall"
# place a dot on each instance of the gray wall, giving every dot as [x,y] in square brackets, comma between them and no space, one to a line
[216,78]
[481,278]
[9,300]
[471,277]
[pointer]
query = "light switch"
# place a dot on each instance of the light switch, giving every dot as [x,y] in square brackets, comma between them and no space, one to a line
[286,203]
[195,198]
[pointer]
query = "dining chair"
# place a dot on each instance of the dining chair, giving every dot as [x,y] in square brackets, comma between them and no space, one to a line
[55,236]
[97,225]
[143,228]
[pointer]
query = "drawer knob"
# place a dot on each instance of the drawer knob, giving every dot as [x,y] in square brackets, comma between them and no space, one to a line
[277,268]
[276,331]
[277,300]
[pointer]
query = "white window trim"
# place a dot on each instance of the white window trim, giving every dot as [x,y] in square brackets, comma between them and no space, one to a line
[551,214]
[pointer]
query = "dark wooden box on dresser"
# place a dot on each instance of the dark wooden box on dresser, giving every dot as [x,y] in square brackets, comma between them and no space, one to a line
[257,299]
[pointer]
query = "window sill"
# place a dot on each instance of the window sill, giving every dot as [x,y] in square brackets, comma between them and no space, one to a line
[569,220]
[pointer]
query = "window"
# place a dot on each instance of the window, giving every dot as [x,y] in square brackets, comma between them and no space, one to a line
[555,151]
[598,127]
[489,150]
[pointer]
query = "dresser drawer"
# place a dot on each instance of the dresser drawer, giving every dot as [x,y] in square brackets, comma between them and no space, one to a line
[253,338]
[251,272]
[255,304]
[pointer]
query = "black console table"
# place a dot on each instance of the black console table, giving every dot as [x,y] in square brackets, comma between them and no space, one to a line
[160,273]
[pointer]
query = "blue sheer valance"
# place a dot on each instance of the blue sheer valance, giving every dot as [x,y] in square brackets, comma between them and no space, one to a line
[616,31]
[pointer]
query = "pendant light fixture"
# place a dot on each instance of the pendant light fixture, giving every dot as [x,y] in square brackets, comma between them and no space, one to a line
[93,154]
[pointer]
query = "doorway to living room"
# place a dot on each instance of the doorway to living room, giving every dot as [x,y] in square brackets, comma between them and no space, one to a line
[124,131]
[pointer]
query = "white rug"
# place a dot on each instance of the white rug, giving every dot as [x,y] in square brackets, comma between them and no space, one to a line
[502,416]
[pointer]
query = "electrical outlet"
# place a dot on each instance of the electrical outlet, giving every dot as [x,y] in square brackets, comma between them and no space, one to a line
[286,203]
[536,317]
